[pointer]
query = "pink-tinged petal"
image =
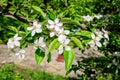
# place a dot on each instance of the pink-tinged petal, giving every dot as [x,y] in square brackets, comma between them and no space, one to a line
[56,21]
[98,44]
[30,28]
[33,33]
[91,43]
[17,43]
[50,22]
[93,36]
[60,49]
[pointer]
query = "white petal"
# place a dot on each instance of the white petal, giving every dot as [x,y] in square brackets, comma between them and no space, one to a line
[106,36]
[98,44]
[59,24]
[38,30]
[91,43]
[51,26]
[57,29]
[17,43]
[36,42]
[41,39]
[50,22]
[93,36]
[56,21]
[35,22]
[38,25]
[98,38]
[66,32]
[60,49]
[43,45]
[52,34]
[67,41]
[18,38]
[16,35]
[67,48]
[29,28]
[33,33]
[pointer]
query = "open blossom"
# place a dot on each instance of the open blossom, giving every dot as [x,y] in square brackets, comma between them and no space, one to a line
[54,26]
[36,28]
[64,43]
[64,32]
[13,42]
[21,54]
[98,16]
[87,18]
[95,41]
[40,43]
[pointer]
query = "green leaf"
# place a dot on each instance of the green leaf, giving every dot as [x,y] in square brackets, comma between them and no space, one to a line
[84,33]
[68,57]
[53,45]
[77,42]
[39,55]
[39,10]
[51,15]
[12,28]
[68,20]
[49,57]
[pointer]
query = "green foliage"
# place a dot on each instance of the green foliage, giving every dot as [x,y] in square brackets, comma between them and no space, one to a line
[39,55]
[13,72]
[68,57]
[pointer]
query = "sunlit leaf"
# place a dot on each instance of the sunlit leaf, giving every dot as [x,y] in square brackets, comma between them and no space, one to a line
[68,57]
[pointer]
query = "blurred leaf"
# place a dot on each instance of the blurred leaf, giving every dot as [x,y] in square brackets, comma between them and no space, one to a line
[53,45]
[39,10]
[68,57]
[84,33]
[39,55]
[49,57]
[77,42]
[51,15]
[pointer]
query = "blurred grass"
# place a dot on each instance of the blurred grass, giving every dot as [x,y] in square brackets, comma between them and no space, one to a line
[14,72]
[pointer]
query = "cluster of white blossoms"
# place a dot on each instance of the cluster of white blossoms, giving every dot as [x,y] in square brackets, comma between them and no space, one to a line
[56,30]
[36,28]
[14,42]
[90,18]
[97,35]
[40,43]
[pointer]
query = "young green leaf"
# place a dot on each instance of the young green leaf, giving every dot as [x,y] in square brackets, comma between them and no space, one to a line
[68,57]
[39,55]
[84,33]
[39,10]
[51,15]
[77,42]
[53,45]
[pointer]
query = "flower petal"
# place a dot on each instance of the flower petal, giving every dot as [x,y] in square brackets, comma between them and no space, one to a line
[52,34]
[29,28]
[50,22]
[33,33]
[98,44]
[56,21]
[91,43]
[93,36]
[60,49]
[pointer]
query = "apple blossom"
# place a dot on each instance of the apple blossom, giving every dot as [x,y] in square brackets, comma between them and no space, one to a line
[36,28]
[95,41]
[13,42]
[87,18]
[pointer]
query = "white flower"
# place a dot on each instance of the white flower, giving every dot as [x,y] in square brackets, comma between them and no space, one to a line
[105,42]
[56,25]
[36,28]
[105,34]
[40,43]
[52,34]
[95,41]
[12,42]
[64,42]
[20,54]
[87,18]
